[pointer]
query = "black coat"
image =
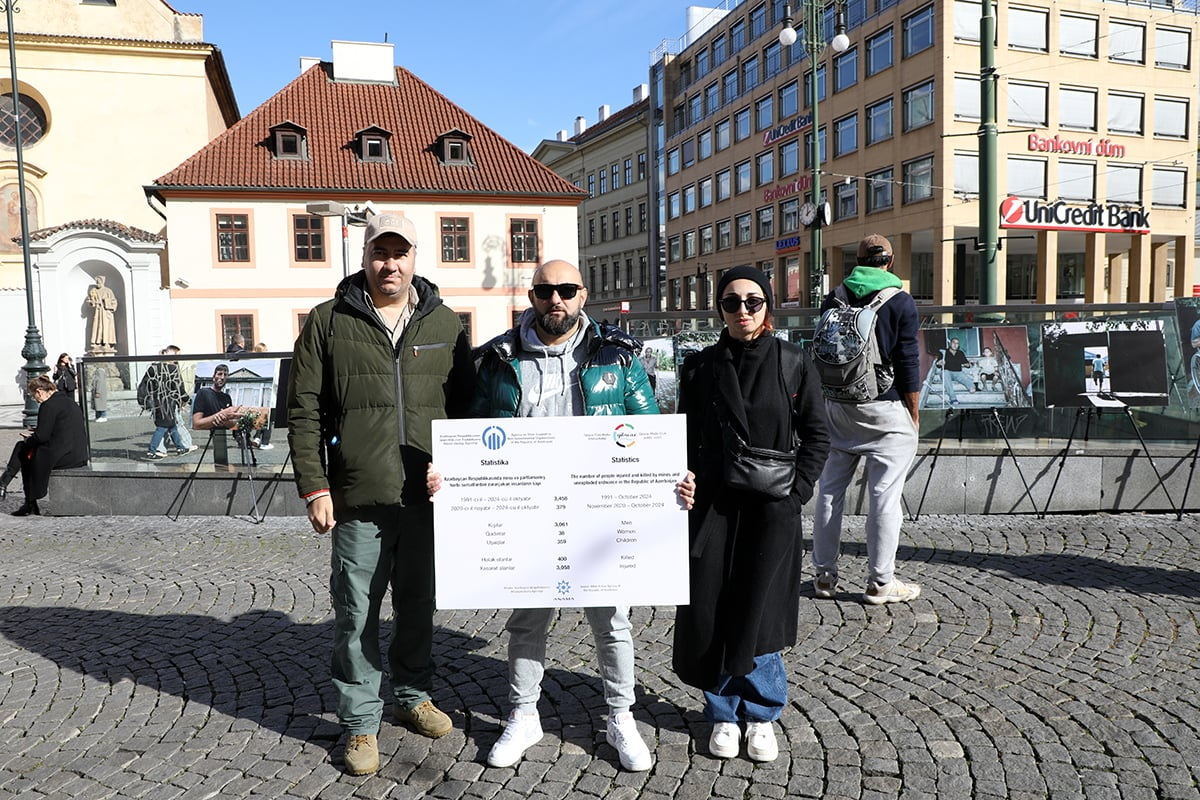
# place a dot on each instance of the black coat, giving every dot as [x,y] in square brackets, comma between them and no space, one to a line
[747,551]
[58,442]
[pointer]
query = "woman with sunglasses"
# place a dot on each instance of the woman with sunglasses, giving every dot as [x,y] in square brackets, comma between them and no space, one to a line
[746,548]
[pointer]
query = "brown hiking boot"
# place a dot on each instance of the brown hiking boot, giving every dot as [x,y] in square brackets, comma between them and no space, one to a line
[362,754]
[424,718]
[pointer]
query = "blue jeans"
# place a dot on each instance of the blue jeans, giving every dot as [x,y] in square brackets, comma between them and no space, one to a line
[961,378]
[757,697]
[372,549]
[162,431]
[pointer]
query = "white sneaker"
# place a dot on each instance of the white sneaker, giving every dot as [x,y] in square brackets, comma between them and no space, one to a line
[760,741]
[267,446]
[522,732]
[622,734]
[895,592]
[726,740]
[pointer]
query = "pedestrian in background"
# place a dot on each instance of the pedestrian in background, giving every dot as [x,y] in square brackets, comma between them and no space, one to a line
[749,389]
[58,441]
[64,377]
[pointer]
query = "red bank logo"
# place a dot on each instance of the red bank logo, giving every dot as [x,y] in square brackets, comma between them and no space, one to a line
[1011,210]
[1039,215]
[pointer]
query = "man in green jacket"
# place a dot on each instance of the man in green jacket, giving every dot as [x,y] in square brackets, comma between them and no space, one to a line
[372,368]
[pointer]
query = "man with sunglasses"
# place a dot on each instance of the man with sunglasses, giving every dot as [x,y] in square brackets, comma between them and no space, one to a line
[559,362]
[882,431]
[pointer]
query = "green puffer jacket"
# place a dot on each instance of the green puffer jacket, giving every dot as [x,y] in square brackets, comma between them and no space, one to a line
[611,353]
[348,385]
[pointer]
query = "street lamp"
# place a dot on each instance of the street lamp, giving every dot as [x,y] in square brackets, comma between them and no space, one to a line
[332,208]
[814,46]
[34,351]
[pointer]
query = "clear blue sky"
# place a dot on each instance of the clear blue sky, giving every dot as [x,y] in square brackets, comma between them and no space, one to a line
[525,68]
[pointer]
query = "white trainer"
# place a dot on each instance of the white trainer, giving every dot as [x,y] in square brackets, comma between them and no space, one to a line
[522,732]
[895,592]
[726,740]
[760,741]
[622,734]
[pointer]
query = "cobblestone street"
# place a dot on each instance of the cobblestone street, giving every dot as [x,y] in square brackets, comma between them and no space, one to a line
[144,658]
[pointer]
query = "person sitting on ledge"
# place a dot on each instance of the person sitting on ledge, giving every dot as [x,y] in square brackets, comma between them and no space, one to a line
[59,441]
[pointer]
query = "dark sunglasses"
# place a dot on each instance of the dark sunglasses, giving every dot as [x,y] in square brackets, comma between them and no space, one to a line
[730,304]
[544,291]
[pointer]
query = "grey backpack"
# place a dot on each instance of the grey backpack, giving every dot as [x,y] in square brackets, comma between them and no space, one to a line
[846,352]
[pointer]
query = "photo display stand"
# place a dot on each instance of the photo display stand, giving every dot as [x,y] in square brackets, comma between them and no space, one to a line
[962,414]
[1086,429]
[218,443]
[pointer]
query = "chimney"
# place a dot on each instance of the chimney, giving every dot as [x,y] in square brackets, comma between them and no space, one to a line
[580,125]
[604,111]
[373,62]
[563,135]
[640,92]
[307,63]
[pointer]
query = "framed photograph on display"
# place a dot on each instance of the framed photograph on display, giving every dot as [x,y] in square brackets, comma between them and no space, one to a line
[1187,312]
[1105,363]
[975,367]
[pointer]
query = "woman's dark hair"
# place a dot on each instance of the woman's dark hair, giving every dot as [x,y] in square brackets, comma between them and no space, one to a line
[62,356]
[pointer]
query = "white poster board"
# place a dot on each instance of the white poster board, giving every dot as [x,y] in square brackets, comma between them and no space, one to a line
[555,512]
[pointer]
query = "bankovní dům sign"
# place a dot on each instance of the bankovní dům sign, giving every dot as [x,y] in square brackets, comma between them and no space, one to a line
[1038,215]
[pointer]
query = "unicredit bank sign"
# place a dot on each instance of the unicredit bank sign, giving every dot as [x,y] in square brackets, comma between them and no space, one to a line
[1038,215]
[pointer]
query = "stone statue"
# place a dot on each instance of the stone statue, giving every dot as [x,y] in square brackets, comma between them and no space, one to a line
[104,329]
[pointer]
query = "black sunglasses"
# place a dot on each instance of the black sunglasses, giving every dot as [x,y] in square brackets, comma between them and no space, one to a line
[730,304]
[544,291]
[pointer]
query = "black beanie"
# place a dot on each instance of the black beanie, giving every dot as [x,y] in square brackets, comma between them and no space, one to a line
[746,273]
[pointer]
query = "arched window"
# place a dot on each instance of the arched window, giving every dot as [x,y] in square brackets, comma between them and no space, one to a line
[33,120]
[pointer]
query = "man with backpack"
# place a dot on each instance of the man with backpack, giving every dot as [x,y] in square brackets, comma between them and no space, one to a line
[865,348]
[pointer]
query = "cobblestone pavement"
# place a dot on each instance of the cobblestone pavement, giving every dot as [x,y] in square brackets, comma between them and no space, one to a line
[1056,658]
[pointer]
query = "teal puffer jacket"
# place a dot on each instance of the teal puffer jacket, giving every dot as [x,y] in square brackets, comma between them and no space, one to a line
[360,408]
[612,379]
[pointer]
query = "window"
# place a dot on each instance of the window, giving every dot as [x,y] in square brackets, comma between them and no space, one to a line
[845,200]
[1170,117]
[808,146]
[641,161]
[1167,187]
[750,73]
[706,240]
[308,240]
[616,224]
[758,22]
[845,70]
[1126,42]
[233,237]
[689,198]
[771,60]
[745,229]
[695,109]
[1028,29]
[603,228]
[689,244]
[1125,113]
[704,145]
[712,98]
[33,120]
[721,131]
[966,97]
[764,113]
[454,149]
[592,184]
[673,161]
[628,171]
[1173,48]
[918,179]
[289,144]
[629,220]
[966,173]
[1124,184]
[879,190]
[880,52]
[373,145]
[741,125]
[808,87]
[616,177]
[592,233]
[845,135]
[918,106]
[1077,35]
[465,319]
[705,187]
[641,217]
[765,167]
[789,100]
[737,36]
[918,31]
[1027,103]
[766,222]
[523,237]
[742,182]
[237,324]
[1026,176]
[729,86]
[719,51]
[673,207]
[1077,180]
[789,216]
[603,181]
[879,121]
[789,158]
[724,185]
[1077,108]
[701,64]
[673,249]
[688,152]
[724,235]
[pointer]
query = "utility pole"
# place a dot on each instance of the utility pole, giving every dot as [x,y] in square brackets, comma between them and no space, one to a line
[989,201]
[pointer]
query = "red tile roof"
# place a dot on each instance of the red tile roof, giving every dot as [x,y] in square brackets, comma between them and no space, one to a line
[331,113]
[127,232]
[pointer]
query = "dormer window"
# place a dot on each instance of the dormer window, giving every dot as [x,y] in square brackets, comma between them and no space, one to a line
[372,144]
[290,141]
[454,147]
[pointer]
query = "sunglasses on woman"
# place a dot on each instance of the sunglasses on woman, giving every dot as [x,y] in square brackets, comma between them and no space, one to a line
[544,291]
[730,304]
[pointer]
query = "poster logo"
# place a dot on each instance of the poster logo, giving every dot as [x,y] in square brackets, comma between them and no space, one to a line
[624,435]
[493,437]
[564,587]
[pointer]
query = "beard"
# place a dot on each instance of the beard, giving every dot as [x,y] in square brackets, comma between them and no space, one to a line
[558,327]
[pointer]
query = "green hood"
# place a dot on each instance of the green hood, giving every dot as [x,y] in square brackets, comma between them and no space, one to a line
[867,280]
